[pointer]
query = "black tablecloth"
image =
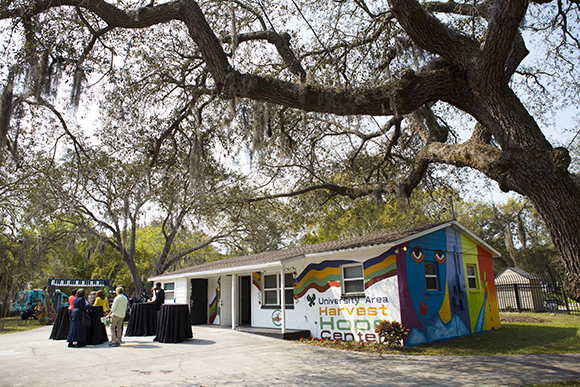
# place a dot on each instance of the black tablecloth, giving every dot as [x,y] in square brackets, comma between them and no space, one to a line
[174,325]
[96,333]
[61,324]
[143,320]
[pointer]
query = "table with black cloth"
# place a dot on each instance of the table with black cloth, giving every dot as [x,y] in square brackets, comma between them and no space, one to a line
[143,320]
[174,324]
[61,324]
[96,333]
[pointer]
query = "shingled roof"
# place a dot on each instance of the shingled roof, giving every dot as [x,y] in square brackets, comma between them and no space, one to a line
[293,252]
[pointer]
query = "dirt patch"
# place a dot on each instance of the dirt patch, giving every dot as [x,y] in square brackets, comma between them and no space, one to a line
[522,319]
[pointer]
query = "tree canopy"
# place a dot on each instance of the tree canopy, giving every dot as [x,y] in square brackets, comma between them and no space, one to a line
[347,97]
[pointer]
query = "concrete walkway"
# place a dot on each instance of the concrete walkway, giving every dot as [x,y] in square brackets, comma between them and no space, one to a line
[222,357]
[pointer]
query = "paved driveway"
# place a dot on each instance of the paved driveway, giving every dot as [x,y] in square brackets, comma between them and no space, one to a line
[222,357]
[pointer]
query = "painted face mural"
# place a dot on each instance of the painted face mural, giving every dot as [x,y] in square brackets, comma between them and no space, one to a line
[427,273]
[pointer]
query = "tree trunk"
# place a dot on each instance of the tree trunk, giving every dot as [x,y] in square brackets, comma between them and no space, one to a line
[556,198]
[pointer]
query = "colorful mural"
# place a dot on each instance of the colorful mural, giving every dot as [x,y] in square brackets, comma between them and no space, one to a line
[257,281]
[214,309]
[443,305]
[319,276]
[379,268]
[439,285]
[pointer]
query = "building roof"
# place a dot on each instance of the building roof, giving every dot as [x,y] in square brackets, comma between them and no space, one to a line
[277,256]
[515,270]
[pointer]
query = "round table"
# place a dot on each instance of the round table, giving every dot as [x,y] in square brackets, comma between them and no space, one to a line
[96,333]
[61,324]
[143,320]
[174,324]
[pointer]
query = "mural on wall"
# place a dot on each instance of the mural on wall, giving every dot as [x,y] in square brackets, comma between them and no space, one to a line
[349,318]
[436,301]
[423,284]
[379,268]
[214,309]
[319,276]
[292,270]
[257,281]
[489,312]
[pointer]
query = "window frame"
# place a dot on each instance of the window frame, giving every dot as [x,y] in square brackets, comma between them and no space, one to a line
[344,281]
[169,292]
[288,286]
[429,276]
[469,277]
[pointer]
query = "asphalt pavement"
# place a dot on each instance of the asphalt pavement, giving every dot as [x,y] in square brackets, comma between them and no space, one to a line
[222,357]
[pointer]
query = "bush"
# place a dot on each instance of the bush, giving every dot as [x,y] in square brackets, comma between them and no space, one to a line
[391,333]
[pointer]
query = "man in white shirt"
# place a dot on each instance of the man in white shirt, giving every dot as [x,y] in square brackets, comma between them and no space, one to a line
[117,314]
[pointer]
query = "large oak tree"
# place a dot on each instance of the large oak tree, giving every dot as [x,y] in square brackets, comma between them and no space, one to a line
[401,61]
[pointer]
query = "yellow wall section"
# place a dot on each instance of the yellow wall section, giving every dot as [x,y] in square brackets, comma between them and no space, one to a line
[475,297]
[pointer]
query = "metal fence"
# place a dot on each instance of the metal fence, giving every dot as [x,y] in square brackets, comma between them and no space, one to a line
[533,293]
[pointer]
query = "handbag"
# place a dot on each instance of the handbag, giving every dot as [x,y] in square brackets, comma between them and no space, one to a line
[86,319]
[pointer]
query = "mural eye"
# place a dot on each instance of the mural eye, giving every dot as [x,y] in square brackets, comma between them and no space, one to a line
[440,256]
[417,254]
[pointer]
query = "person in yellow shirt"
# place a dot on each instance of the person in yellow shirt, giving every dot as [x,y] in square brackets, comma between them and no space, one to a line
[102,301]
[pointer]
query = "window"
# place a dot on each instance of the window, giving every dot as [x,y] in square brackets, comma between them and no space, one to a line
[272,289]
[471,277]
[353,280]
[431,276]
[169,291]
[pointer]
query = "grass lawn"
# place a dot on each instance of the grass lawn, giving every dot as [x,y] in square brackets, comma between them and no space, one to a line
[555,384]
[16,324]
[521,334]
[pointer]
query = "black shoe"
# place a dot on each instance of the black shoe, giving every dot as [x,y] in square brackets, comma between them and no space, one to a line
[71,345]
[81,345]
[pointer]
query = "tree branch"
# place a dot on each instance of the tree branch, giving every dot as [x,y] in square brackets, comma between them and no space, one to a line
[282,43]
[397,97]
[432,35]
[502,30]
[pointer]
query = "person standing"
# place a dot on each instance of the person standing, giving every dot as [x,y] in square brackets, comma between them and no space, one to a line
[78,333]
[101,300]
[142,296]
[117,314]
[159,296]
[71,302]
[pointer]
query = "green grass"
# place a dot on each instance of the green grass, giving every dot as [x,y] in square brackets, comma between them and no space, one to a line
[561,334]
[16,324]
[571,383]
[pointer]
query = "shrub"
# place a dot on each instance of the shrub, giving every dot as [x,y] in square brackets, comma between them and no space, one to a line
[391,333]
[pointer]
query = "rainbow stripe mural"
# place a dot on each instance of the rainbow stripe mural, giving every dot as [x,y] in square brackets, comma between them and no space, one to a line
[257,280]
[214,305]
[379,268]
[319,276]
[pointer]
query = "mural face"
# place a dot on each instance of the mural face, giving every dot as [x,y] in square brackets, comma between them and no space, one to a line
[443,307]
[426,264]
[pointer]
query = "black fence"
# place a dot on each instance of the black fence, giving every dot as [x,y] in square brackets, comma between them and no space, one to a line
[533,293]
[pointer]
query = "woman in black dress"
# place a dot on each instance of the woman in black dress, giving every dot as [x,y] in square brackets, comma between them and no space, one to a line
[78,333]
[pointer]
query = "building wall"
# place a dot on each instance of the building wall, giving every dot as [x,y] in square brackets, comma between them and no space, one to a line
[181,290]
[395,289]
[453,309]
[318,304]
